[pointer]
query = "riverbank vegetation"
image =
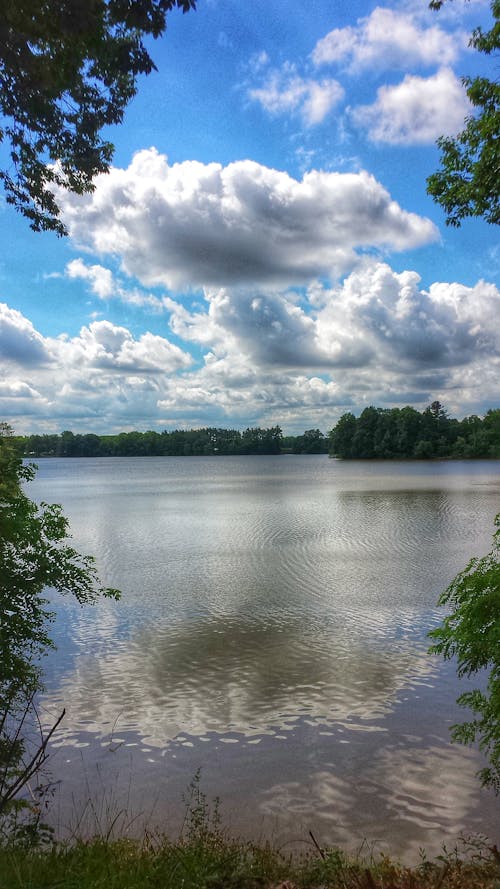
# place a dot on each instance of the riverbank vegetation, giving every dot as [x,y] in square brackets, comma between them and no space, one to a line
[205,856]
[405,433]
[34,555]
[210,441]
[470,633]
[378,433]
[207,859]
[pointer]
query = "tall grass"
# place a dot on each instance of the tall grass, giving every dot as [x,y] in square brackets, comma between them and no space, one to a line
[213,862]
[205,857]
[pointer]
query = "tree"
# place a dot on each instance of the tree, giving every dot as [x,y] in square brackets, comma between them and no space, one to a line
[468,182]
[34,554]
[341,436]
[68,68]
[363,444]
[408,424]
[311,442]
[471,633]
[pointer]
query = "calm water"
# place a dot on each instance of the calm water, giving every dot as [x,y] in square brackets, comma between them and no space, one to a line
[272,631]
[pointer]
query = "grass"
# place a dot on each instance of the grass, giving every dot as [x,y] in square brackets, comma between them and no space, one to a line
[213,862]
[204,857]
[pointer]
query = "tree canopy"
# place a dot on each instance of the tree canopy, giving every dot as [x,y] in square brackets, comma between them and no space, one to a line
[210,441]
[387,433]
[468,181]
[68,68]
[405,433]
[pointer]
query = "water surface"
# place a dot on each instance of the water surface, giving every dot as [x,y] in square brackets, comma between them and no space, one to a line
[272,631]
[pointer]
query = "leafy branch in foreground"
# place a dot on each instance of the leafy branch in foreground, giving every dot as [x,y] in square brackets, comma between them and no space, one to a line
[34,554]
[471,633]
[468,182]
[68,68]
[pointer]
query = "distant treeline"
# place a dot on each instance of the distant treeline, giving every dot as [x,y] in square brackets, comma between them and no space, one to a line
[180,443]
[392,433]
[387,433]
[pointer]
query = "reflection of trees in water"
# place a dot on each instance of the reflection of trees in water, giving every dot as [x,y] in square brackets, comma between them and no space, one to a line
[242,674]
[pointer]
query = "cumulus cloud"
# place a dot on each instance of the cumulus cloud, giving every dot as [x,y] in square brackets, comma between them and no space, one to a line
[194,224]
[284,91]
[103,372]
[416,111]
[17,389]
[376,319]
[402,326]
[20,397]
[377,338]
[388,39]
[19,341]
[103,284]
[269,326]
[99,278]
[265,356]
[105,345]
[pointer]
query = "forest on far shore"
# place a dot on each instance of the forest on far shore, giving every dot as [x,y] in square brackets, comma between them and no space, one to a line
[378,433]
[405,433]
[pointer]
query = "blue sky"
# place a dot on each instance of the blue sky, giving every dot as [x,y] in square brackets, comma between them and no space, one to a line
[263,250]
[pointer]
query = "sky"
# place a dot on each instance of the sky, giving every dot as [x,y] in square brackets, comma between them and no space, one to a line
[263,250]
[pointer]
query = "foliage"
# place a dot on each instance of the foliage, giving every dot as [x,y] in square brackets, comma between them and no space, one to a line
[34,554]
[384,433]
[311,442]
[468,182]
[471,633]
[404,433]
[180,443]
[214,861]
[68,68]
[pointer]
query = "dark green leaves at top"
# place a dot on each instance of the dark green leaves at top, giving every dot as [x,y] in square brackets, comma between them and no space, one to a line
[68,68]
[468,181]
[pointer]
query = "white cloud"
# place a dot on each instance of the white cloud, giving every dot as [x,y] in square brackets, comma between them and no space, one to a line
[268,357]
[378,338]
[103,284]
[257,62]
[191,224]
[375,319]
[105,345]
[19,341]
[388,39]
[416,111]
[284,91]
[405,328]
[104,372]
[99,278]
[17,389]
[268,327]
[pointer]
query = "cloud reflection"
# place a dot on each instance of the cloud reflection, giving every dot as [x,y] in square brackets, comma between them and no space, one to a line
[410,798]
[248,675]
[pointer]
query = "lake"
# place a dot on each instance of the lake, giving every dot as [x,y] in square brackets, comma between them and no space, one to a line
[273,633]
